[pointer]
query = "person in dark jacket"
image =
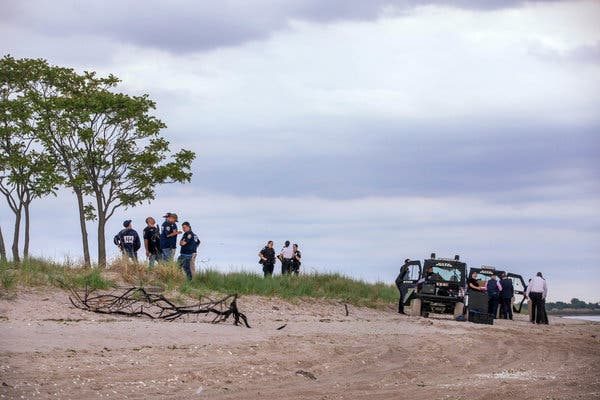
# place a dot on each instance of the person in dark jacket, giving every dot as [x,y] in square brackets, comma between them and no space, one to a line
[506,296]
[297,260]
[189,245]
[402,288]
[267,258]
[168,237]
[152,242]
[128,241]
[493,291]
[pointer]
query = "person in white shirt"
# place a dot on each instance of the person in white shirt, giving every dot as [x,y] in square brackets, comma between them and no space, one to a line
[286,256]
[536,292]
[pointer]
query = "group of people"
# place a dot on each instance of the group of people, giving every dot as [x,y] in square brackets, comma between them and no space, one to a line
[290,258]
[501,291]
[161,244]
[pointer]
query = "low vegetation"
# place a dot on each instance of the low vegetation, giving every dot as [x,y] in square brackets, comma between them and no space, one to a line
[35,272]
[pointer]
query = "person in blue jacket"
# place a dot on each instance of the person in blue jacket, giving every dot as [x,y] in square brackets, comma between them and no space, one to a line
[189,245]
[493,291]
[168,237]
[128,241]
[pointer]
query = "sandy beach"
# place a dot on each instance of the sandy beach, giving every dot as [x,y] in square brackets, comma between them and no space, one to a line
[50,350]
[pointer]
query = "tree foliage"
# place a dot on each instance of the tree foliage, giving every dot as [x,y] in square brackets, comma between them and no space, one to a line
[27,171]
[78,130]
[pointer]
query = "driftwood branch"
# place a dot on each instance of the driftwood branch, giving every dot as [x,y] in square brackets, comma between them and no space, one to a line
[138,302]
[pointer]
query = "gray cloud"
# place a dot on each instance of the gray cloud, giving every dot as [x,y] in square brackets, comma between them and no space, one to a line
[185,26]
[496,160]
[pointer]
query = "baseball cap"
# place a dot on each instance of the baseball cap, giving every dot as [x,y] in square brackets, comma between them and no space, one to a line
[126,223]
[167,215]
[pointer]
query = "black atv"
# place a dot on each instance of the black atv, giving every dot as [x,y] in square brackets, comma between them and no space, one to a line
[439,289]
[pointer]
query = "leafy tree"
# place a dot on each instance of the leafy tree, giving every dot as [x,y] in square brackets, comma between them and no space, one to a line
[115,145]
[26,170]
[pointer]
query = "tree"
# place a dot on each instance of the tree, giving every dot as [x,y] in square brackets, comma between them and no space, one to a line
[114,143]
[43,86]
[2,247]
[26,171]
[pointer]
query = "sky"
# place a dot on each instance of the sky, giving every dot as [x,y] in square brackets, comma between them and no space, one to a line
[367,132]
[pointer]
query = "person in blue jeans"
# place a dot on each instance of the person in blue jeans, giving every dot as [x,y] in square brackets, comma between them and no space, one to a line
[168,237]
[189,245]
[493,291]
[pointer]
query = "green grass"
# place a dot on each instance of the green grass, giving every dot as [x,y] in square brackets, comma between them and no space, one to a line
[35,272]
[324,286]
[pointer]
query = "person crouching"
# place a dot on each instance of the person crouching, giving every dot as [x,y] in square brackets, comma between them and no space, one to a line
[189,244]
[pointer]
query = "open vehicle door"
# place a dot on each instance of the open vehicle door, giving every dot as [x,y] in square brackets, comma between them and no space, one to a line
[520,287]
[410,282]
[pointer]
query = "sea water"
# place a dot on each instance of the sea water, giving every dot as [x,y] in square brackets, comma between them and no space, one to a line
[595,318]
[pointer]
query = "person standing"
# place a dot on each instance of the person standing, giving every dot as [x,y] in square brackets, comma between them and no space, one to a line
[402,288]
[493,291]
[267,259]
[536,292]
[128,241]
[189,244]
[168,237]
[287,254]
[506,295]
[152,242]
[296,260]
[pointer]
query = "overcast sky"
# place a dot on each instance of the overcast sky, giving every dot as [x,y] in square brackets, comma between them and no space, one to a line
[366,131]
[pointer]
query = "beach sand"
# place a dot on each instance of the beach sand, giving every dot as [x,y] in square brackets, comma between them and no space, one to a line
[50,350]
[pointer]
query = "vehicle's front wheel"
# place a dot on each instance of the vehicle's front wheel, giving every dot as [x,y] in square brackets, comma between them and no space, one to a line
[459,309]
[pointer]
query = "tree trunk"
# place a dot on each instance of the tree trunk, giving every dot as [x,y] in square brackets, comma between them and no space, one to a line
[15,245]
[26,239]
[87,262]
[2,247]
[101,239]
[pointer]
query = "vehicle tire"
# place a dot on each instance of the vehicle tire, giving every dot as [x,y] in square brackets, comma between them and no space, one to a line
[415,308]
[459,309]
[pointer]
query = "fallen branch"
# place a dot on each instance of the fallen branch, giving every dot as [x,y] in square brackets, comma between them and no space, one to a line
[137,302]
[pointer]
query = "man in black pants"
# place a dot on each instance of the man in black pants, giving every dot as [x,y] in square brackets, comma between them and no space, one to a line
[297,260]
[493,291]
[536,292]
[287,255]
[506,295]
[402,288]
[267,258]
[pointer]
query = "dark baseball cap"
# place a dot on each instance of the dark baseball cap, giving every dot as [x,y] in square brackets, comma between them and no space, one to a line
[126,223]
[167,215]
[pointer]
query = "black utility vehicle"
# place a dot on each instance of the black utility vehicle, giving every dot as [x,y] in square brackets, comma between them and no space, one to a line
[439,288]
[479,300]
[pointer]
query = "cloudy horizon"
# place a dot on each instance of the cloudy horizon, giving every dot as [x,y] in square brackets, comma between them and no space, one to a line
[368,132]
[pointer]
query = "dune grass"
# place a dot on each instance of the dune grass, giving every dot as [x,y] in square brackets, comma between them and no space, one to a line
[35,272]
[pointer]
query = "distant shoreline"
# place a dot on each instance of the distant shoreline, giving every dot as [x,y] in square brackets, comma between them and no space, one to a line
[575,312]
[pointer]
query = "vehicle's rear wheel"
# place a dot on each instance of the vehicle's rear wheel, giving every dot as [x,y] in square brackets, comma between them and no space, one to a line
[415,308]
[459,309]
